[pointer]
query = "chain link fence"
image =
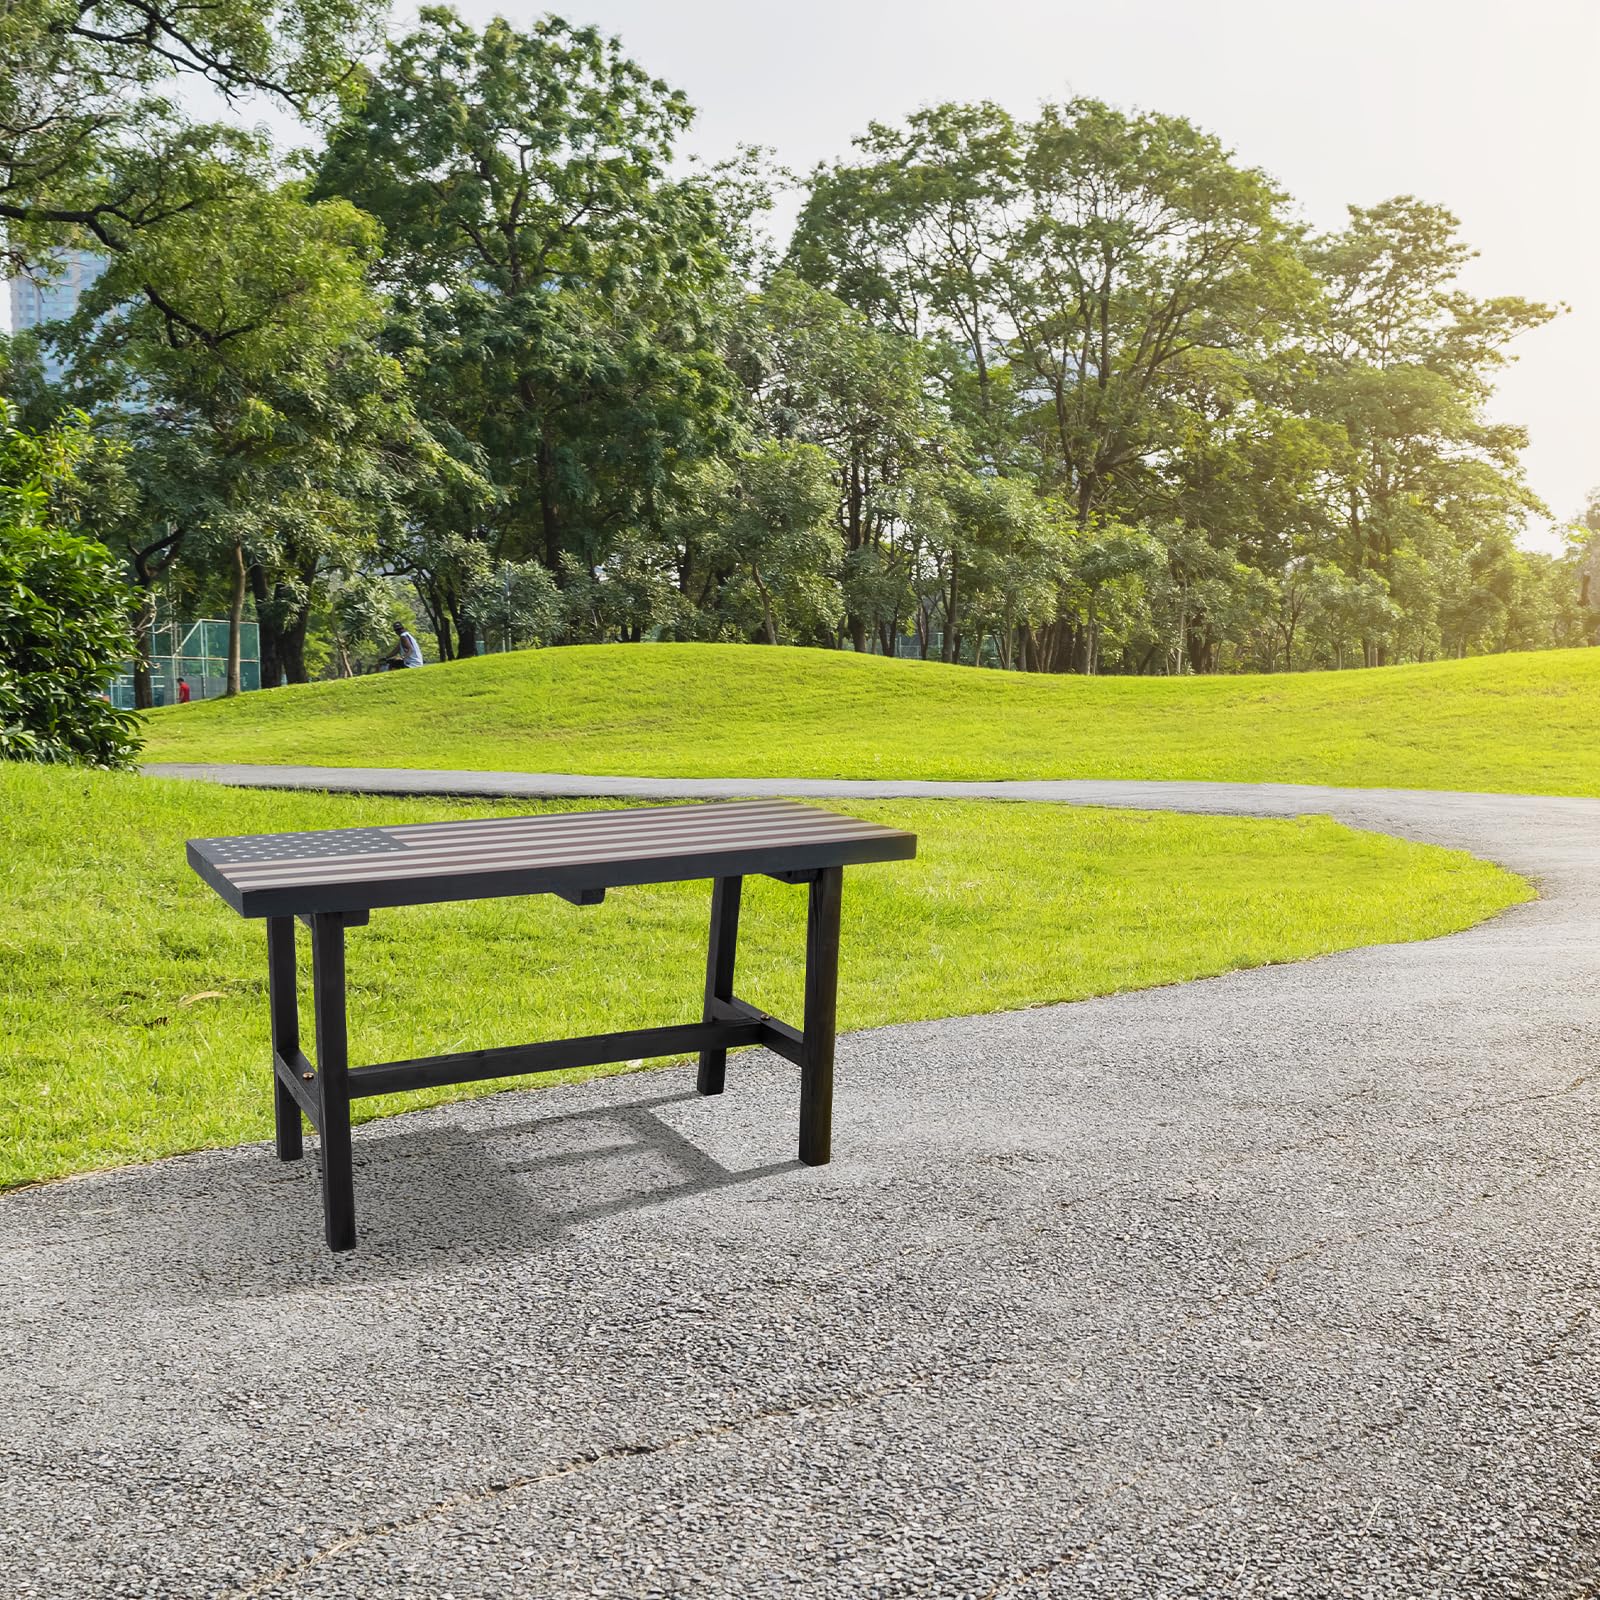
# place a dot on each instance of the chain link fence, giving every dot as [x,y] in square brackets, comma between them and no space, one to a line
[196,652]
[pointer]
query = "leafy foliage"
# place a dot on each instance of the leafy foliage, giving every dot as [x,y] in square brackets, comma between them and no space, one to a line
[63,630]
[553,291]
[1129,321]
[271,438]
[1068,393]
[93,147]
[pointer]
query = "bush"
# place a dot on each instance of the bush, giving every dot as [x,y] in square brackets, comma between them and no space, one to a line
[63,616]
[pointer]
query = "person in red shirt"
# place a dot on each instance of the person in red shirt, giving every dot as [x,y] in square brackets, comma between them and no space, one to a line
[183,691]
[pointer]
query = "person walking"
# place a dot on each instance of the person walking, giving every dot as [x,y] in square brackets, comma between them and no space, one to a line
[407,652]
[183,691]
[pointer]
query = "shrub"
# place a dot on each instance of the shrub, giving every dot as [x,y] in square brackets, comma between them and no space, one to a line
[63,615]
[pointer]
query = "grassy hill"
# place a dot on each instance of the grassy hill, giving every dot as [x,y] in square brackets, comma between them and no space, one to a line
[1513,723]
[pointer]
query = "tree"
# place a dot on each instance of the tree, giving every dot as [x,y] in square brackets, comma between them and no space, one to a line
[445,568]
[1105,296]
[1139,245]
[553,290]
[631,595]
[1072,392]
[265,434]
[1404,362]
[994,556]
[768,542]
[911,234]
[1583,549]
[93,148]
[355,613]
[1111,306]
[63,622]
[1205,601]
[1108,574]
[519,602]
[1346,613]
[819,373]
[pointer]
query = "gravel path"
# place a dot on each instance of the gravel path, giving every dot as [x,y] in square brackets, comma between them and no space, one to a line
[1276,1284]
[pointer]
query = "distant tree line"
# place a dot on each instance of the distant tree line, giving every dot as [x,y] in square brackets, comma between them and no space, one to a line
[1072,393]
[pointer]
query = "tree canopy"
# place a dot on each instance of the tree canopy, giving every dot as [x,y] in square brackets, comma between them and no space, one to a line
[1077,391]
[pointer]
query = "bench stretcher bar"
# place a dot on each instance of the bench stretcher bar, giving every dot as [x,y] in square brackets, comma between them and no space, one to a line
[590,1050]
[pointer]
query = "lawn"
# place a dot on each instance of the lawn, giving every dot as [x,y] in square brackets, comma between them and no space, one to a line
[1525,723]
[133,1002]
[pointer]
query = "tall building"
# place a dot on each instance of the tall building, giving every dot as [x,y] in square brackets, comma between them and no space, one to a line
[36,301]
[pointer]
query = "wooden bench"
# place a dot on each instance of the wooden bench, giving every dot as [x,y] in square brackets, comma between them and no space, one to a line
[333,880]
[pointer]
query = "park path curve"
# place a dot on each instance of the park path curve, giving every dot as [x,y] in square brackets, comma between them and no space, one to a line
[1278,1284]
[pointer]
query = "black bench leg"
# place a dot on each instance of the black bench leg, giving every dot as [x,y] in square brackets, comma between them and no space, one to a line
[285,1013]
[821,1019]
[725,893]
[333,1081]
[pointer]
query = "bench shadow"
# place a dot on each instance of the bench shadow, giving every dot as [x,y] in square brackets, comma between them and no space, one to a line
[426,1192]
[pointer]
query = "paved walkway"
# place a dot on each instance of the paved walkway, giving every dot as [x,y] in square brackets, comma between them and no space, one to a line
[1277,1284]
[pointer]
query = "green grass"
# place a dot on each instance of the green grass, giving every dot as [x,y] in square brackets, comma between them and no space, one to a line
[133,1005]
[1514,723]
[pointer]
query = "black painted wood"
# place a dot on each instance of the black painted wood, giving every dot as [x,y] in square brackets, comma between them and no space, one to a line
[555,1055]
[297,1078]
[284,1011]
[821,1018]
[720,955]
[333,1089]
[332,880]
[347,919]
[573,854]
[776,1035]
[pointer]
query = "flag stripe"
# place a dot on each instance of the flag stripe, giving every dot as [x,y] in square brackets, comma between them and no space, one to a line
[524,844]
[520,857]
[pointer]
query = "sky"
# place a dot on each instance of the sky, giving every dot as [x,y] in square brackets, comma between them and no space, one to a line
[1485,106]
